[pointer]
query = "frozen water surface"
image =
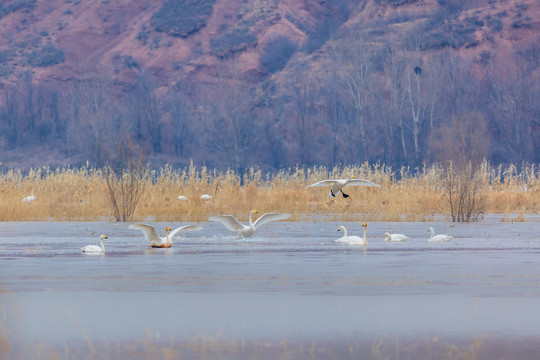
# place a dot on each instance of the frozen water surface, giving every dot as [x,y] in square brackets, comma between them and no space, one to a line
[290,291]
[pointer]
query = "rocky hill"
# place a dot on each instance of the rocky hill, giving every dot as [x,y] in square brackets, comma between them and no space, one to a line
[54,39]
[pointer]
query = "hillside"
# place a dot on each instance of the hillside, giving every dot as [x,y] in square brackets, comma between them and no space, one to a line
[119,33]
[267,43]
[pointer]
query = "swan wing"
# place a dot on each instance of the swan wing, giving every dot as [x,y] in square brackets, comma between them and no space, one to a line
[150,232]
[441,238]
[362,182]
[324,183]
[268,217]
[184,228]
[228,220]
[351,240]
[91,248]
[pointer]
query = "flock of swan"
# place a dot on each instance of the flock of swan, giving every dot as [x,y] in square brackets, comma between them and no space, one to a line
[244,231]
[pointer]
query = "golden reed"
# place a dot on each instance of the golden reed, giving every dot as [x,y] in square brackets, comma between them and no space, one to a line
[76,194]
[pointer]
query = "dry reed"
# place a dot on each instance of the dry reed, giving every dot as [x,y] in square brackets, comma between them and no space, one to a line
[405,195]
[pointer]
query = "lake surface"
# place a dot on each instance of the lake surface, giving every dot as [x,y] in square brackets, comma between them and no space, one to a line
[288,292]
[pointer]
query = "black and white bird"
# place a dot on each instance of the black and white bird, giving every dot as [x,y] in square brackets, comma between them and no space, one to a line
[338,184]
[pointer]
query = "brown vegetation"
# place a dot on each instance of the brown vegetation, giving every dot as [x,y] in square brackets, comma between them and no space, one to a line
[405,195]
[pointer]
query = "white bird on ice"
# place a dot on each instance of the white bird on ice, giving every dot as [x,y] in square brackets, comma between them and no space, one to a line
[247,230]
[151,234]
[438,238]
[93,249]
[395,237]
[352,240]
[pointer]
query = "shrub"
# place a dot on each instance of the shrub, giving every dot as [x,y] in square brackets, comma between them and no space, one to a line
[236,40]
[277,53]
[182,17]
[463,191]
[142,36]
[396,3]
[7,7]
[46,56]
[126,177]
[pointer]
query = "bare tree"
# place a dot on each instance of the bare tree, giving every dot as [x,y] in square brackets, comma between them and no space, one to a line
[226,109]
[353,69]
[126,177]
[301,113]
[179,115]
[465,139]
[93,109]
[463,187]
[146,112]
[513,95]
[10,117]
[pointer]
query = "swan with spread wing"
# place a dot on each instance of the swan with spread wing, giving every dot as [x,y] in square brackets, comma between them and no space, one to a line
[338,184]
[248,230]
[151,234]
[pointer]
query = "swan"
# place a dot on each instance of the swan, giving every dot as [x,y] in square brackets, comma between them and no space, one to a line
[438,238]
[182,197]
[338,184]
[206,197]
[352,240]
[395,237]
[93,249]
[151,234]
[29,198]
[247,230]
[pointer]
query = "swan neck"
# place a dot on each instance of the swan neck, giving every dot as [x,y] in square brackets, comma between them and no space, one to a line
[102,246]
[365,236]
[251,218]
[344,231]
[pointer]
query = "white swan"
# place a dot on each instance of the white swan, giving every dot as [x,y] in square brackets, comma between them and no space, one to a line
[206,197]
[338,184]
[29,198]
[93,249]
[352,240]
[247,230]
[395,237]
[151,234]
[182,197]
[438,238]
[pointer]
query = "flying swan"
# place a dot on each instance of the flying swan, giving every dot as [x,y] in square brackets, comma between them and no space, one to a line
[395,237]
[29,198]
[337,185]
[151,234]
[438,238]
[352,240]
[247,230]
[93,249]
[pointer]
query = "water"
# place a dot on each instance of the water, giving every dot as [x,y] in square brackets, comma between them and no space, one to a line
[290,291]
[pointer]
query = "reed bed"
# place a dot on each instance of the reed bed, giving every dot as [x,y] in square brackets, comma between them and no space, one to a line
[406,194]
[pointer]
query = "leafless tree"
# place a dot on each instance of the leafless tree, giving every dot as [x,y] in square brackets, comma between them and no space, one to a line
[226,109]
[93,109]
[464,140]
[353,69]
[179,110]
[126,176]
[463,186]
[513,95]
[145,105]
